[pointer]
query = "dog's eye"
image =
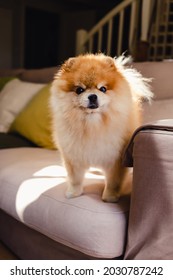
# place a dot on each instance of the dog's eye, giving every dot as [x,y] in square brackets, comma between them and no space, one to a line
[79,90]
[103,89]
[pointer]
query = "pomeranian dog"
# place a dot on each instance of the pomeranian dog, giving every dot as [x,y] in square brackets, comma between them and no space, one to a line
[95,103]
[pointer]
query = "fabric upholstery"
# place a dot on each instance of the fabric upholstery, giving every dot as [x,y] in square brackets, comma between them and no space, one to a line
[157,110]
[150,231]
[44,75]
[36,197]
[161,74]
[30,244]
[11,72]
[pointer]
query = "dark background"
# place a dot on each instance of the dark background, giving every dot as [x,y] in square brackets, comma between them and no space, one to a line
[44,31]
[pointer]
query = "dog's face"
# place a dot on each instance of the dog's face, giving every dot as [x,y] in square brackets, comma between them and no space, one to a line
[89,82]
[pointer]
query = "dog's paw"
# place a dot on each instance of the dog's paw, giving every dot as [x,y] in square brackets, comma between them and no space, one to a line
[110,196]
[73,192]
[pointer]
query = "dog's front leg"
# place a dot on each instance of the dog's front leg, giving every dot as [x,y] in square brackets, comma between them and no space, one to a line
[75,178]
[114,176]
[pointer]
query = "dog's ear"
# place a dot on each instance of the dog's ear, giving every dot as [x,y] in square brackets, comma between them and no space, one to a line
[68,64]
[110,62]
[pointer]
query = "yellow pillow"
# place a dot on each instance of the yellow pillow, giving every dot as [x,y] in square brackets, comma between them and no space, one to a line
[34,121]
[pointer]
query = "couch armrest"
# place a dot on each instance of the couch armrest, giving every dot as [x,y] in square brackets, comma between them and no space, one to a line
[150,231]
[161,125]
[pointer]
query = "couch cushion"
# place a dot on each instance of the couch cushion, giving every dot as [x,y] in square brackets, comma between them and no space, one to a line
[32,187]
[34,121]
[14,96]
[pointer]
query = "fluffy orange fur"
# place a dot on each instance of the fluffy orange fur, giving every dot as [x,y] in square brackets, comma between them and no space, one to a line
[95,104]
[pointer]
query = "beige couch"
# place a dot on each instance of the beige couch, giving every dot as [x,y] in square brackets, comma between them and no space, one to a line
[38,222]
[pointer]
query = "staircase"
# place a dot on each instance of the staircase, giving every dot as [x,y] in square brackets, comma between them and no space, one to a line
[161,35]
[144,28]
[113,34]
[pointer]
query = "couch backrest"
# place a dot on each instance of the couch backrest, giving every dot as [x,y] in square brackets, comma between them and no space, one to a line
[11,72]
[162,74]
[44,75]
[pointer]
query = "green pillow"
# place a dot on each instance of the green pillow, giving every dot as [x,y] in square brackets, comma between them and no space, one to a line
[34,121]
[4,81]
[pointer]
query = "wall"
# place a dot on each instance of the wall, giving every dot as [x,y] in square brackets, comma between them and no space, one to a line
[70,23]
[12,24]
[5,38]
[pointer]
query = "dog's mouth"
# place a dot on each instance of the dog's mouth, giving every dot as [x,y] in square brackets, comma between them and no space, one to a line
[90,109]
[93,106]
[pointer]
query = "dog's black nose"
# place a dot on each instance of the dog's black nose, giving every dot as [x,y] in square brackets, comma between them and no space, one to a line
[93,103]
[92,98]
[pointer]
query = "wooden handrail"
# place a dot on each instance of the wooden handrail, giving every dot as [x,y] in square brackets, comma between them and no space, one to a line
[87,42]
